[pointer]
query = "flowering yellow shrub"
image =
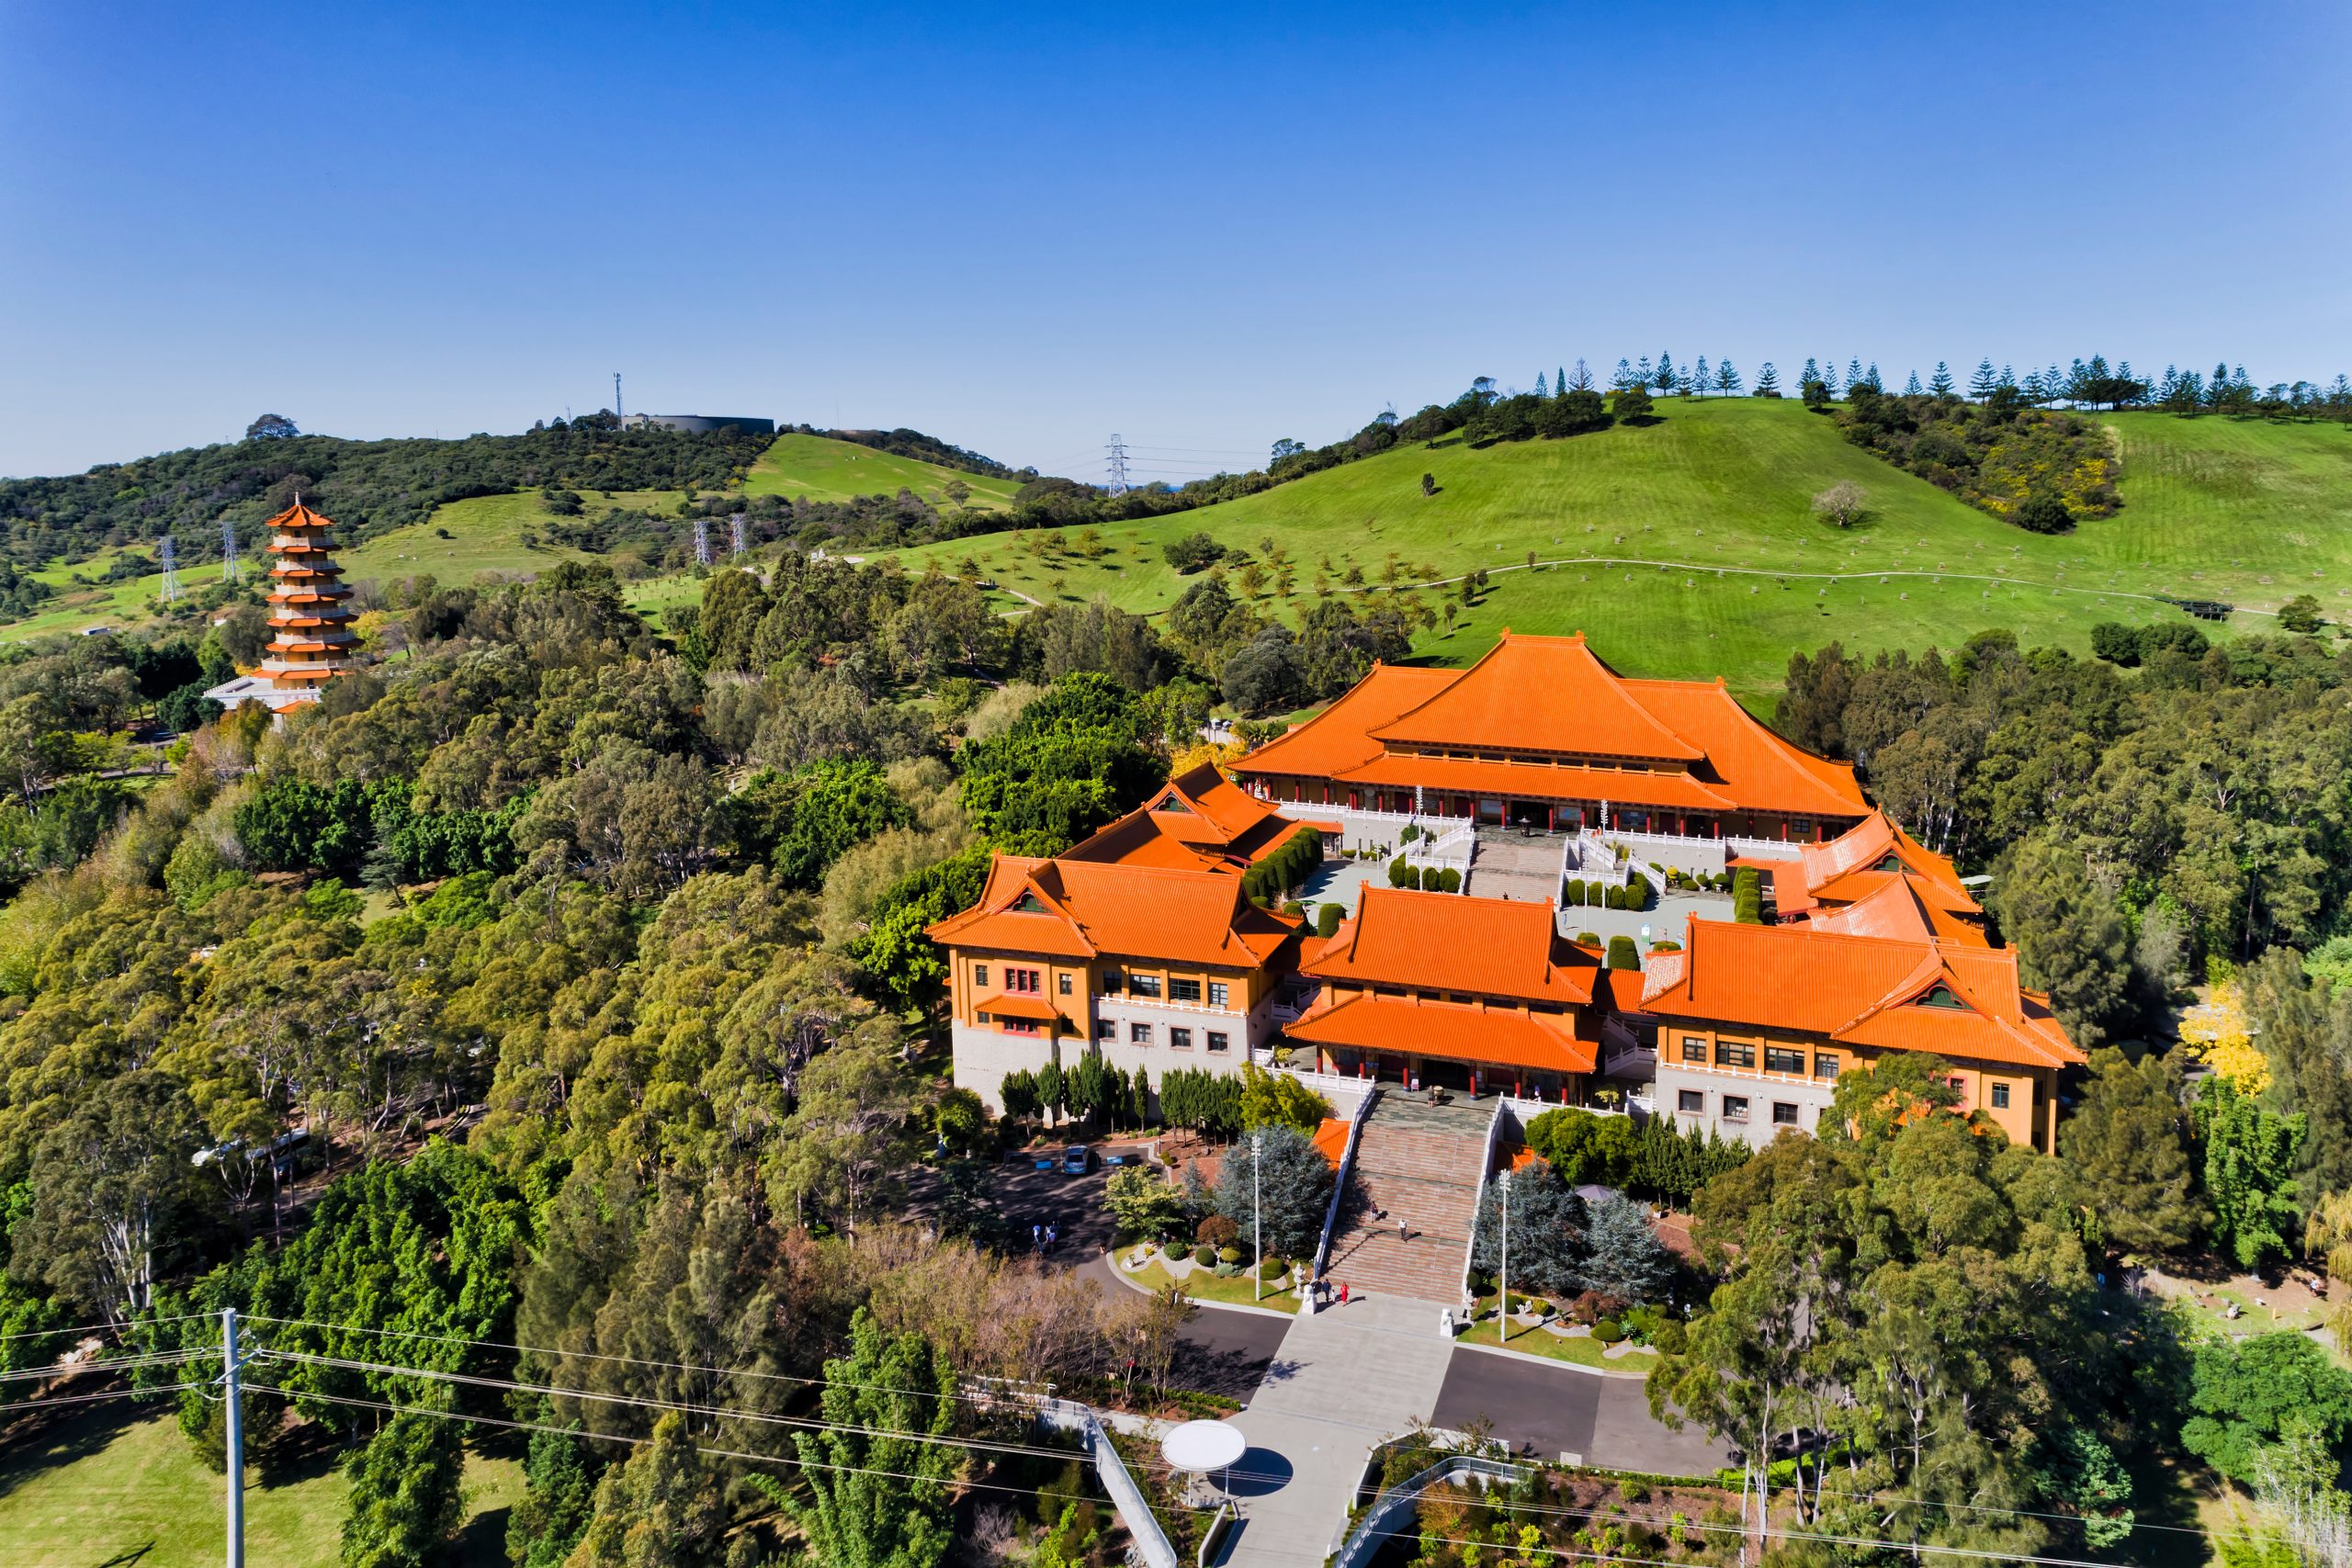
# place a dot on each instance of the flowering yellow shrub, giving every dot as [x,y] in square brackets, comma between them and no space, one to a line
[2215,1031]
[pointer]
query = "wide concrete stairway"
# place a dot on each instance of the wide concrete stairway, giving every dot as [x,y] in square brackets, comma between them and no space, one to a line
[1420,1163]
[1510,866]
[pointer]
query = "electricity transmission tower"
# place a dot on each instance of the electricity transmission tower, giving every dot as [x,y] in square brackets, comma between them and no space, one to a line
[229,551]
[170,590]
[735,527]
[701,541]
[1118,466]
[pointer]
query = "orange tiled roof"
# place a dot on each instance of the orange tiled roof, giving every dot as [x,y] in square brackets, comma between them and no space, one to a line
[1198,819]
[1625,786]
[1583,705]
[1847,869]
[1445,942]
[1552,695]
[1904,906]
[1340,736]
[1082,909]
[1331,1140]
[1022,1004]
[1860,990]
[1401,1026]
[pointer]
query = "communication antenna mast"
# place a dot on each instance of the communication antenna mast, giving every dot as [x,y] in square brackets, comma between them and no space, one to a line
[1118,466]
[617,394]
[229,573]
[701,541]
[170,590]
[735,527]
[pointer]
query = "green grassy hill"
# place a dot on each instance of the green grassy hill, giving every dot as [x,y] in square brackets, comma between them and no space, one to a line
[1690,548]
[823,468]
[112,1486]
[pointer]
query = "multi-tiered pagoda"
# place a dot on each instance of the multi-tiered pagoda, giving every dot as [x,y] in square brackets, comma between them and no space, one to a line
[311,641]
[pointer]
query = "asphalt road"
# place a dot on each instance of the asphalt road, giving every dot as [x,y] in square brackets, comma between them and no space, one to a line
[1223,1351]
[1602,1421]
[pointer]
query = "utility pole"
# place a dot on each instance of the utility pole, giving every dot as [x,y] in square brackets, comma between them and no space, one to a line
[1118,469]
[617,394]
[236,1431]
[735,530]
[228,550]
[170,590]
[1502,1316]
[1257,1220]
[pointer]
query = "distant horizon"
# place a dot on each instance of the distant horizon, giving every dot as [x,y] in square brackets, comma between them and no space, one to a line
[785,426]
[1022,231]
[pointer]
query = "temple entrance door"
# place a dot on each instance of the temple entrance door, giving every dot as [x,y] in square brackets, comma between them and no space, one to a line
[1441,1074]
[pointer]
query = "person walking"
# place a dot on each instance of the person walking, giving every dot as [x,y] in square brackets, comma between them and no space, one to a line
[1036,1239]
[1402,1234]
[1343,1293]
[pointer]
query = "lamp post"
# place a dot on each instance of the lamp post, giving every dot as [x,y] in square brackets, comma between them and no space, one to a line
[1502,1318]
[1257,1225]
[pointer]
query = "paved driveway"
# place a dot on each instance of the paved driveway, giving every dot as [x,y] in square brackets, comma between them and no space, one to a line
[1221,1350]
[1602,1421]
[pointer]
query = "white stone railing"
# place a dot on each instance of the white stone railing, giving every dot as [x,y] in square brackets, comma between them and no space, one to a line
[1338,1194]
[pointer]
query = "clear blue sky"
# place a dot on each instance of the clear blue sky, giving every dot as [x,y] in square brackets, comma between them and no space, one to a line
[1025,230]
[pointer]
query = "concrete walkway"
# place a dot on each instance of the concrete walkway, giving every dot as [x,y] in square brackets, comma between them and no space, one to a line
[1343,1381]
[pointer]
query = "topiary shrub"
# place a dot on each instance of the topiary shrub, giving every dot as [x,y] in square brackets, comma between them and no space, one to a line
[1402,876]
[1449,880]
[1226,1271]
[1747,896]
[1228,1255]
[1409,833]
[1609,1331]
[1203,1255]
[1328,916]
[1587,938]
[1622,953]
[1273,1269]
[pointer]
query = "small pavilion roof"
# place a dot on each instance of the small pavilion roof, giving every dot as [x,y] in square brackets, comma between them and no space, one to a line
[1199,819]
[1086,908]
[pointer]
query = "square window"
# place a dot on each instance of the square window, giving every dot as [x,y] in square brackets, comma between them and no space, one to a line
[980,973]
[1691,1102]
[1180,1039]
[1144,984]
[1140,1033]
[1784,1113]
[1694,1049]
[1779,1060]
[1734,1107]
[1825,1066]
[1183,990]
[1219,1042]
[1106,1030]
[1064,982]
[1219,995]
[2000,1096]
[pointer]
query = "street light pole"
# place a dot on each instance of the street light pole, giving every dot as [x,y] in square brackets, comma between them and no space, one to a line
[233,1408]
[1257,1225]
[1502,1319]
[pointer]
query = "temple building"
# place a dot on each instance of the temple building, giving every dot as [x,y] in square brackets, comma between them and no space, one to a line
[311,641]
[1138,943]
[1876,880]
[1755,1022]
[1540,732]
[1435,989]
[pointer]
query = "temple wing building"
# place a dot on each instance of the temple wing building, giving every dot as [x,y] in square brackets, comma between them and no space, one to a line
[1755,1022]
[1541,732]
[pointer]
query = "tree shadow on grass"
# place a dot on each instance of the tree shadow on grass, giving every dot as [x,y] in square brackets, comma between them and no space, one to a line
[44,1439]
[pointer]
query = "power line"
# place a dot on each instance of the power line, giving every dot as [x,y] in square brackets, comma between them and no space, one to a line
[105,1327]
[647,1403]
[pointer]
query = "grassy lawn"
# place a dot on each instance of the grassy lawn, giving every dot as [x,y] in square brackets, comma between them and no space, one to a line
[116,1485]
[821,469]
[1583,1349]
[1690,548]
[1204,1286]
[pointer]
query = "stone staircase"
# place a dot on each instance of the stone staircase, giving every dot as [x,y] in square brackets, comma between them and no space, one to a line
[1511,865]
[1420,1163]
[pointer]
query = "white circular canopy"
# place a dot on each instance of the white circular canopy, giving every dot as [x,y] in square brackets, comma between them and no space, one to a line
[1202,1446]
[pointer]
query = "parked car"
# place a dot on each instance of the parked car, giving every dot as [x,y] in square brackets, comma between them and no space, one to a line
[1078,1159]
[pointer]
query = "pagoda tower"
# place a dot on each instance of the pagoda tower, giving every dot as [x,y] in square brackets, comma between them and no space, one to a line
[311,636]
